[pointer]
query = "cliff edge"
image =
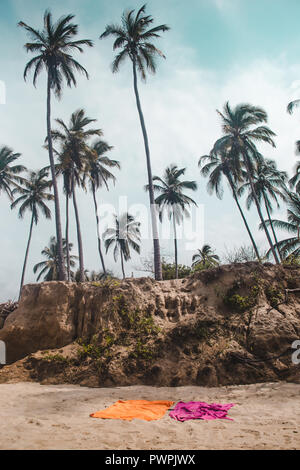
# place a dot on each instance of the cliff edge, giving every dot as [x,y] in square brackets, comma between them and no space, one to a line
[233,324]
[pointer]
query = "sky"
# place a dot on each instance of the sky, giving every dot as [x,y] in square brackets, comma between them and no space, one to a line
[216,51]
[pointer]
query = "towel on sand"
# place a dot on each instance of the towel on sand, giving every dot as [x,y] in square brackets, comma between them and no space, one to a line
[130,409]
[200,410]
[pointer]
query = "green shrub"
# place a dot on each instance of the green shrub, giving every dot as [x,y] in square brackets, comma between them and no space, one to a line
[92,349]
[55,358]
[239,303]
[274,295]
[169,271]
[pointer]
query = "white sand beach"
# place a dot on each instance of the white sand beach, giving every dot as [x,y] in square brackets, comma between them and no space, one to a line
[34,416]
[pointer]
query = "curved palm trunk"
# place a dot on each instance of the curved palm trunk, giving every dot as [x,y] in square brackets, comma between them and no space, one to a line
[98,232]
[243,217]
[26,256]
[61,265]
[79,238]
[175,247]
[67,238]
[272,228]
[259,209]
[122,264]
[157,260]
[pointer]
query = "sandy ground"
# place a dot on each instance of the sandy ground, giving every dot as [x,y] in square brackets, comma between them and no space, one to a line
[34,416]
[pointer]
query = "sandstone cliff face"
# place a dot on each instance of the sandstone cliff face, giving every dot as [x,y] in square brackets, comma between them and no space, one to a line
[230,325]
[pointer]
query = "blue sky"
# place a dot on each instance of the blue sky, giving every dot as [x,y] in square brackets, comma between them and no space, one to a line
[217,50]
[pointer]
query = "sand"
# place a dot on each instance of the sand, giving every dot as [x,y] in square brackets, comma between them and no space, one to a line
[34,416]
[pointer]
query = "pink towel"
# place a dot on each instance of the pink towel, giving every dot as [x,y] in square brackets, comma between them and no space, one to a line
[200,410]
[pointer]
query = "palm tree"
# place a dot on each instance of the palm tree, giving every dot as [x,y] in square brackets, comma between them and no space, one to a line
[172,199]
[100,275]
[99,175]
[34,193]
[205,258]
[225,163]
[50,267]
[289,246]
[134,37]
[9,178]
[269,184]
[124,235]
[54,46]
[94,276]
[294,182]
[240,136]
[65,169]
[73,154]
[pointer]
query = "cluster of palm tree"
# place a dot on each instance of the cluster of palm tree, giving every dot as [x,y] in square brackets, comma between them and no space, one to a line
[54,45]
[78,161]
[83,163]
[236,157]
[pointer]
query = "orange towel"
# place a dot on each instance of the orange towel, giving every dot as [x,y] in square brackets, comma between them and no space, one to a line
[130,409]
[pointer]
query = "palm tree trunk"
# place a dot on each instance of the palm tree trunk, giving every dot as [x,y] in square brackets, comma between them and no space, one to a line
[98,232]
[61,265]
[79,238]
[26,255]
[122,264]
[259,209]
[243,217]
[272,228]
[157,260]
[67,238]
[175,247]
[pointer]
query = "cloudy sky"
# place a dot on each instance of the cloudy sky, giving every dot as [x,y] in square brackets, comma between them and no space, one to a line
[217,50]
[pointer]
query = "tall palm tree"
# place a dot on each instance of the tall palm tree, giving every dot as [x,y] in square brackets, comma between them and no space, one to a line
[242,128]
[54,45]
[50,267]
[9,174]
[64,167]
[33,196]
[295,180]
[172,200]
[124,235]
[99,175]
[205,258]
[134,38]
[269,184]
[74,152]
[289,246]
[225,163]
